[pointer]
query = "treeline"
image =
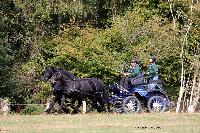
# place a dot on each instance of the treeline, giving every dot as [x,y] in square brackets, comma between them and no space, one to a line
[92,38]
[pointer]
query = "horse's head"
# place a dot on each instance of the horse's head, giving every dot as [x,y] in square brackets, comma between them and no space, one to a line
[57,76]
[48,73]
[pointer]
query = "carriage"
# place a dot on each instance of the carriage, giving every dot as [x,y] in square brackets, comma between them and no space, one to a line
[139,95]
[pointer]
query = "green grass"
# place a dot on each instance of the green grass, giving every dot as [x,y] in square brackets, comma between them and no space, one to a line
[100,123]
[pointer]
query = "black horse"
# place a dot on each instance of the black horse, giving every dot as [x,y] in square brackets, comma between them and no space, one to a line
[58,94]
[65,86]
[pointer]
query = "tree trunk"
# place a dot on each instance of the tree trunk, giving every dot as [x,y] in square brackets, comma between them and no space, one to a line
[181,91]
[174,19]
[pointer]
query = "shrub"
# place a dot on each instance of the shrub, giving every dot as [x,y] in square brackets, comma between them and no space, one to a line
[32,110]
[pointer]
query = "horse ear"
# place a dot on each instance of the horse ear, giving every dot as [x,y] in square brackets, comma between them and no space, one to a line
[54,69]
[50,68]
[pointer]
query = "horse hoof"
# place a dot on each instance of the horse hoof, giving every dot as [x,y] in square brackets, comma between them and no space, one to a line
[45,113]
[56,113]
[75,112]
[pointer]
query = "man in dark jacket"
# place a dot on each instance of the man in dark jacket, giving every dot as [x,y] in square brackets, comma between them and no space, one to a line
[133,71]
[152,71]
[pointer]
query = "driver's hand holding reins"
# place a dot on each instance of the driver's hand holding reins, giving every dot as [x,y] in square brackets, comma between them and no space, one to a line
[125,74]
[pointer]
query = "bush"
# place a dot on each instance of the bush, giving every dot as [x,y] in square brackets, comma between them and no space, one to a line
[32,110]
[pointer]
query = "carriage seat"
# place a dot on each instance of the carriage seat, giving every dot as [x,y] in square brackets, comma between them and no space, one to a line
[139,80]
[155,82]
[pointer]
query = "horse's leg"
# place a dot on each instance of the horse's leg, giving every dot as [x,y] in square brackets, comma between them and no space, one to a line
[66,110]
[108,105]
[61,104]
[101,101]
[102,104]
[73,100]
[93,104]
[101,95]
[106,98]
[76,108]
[55,99]
[79,102]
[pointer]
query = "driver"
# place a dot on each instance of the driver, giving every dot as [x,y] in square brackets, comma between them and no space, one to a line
[133,71]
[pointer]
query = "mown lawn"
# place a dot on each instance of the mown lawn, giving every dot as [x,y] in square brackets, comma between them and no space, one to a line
[100,123]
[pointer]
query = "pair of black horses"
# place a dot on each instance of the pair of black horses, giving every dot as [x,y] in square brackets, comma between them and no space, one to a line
[66,86]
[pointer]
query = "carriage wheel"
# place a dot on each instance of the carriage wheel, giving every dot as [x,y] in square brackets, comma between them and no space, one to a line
[131,105]
[156,104]
[117,108]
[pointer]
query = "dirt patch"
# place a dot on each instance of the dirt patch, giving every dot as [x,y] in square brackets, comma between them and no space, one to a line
[4,130]
[101,126]
[56,126]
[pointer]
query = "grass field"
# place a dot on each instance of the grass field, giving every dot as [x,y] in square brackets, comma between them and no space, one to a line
[100,123]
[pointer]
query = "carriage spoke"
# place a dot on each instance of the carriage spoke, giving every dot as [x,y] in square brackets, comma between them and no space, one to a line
[131,105]
[156,104]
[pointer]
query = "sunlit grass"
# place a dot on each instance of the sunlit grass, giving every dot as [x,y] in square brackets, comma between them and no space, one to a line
[95,123]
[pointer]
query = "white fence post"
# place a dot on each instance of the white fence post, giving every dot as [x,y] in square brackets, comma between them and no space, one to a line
[84,107]
[47,105]
[4,106]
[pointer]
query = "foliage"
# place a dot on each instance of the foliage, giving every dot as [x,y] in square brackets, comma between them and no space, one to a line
[91,39]
[32,110]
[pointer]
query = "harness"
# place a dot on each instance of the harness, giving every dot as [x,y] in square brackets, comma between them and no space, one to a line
[73,88]
[58,76]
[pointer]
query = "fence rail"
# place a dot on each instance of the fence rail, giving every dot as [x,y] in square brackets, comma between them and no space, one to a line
[26,104]
[5,105]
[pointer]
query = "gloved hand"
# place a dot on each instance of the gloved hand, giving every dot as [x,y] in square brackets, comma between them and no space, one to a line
[126,74]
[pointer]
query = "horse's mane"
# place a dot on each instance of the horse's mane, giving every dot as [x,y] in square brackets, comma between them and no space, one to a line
[53,68]
[62,71]
[66,73]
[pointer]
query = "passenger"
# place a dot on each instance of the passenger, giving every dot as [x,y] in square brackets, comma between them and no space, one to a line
[133,71]
[152,71]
